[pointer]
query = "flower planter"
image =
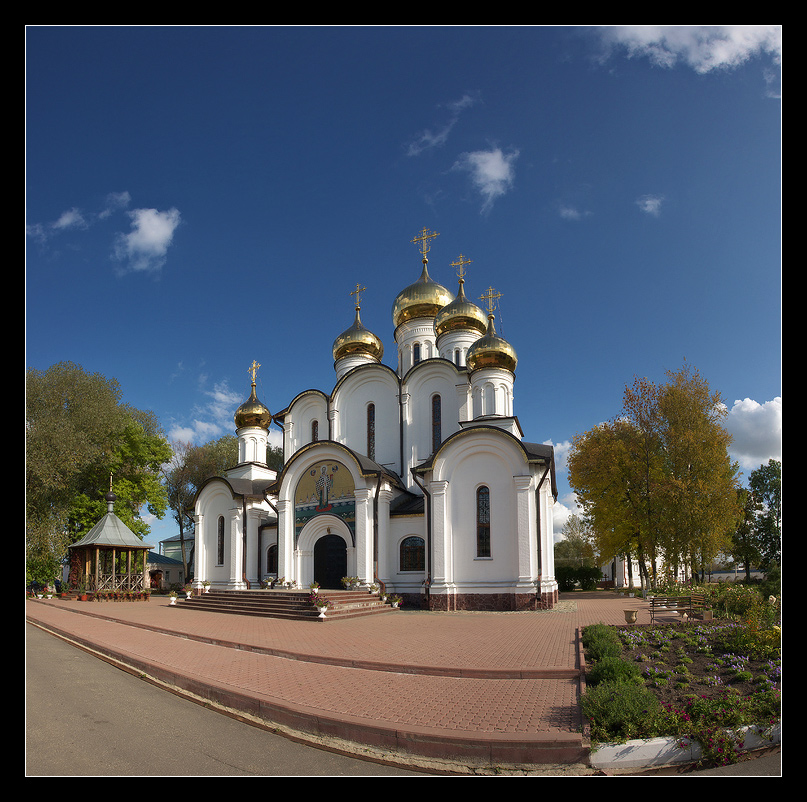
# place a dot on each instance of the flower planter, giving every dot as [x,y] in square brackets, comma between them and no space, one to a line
[630,616]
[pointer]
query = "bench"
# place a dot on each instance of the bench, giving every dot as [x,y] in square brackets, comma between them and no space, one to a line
[693,606]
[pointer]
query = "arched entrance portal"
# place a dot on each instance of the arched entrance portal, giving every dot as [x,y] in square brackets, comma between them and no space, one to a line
[330,561]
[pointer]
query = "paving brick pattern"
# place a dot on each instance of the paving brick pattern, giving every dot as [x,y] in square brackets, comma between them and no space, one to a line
[454,683]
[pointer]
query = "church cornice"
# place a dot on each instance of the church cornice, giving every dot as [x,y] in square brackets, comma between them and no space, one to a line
[279,418]
[359,368]
[534,453]
[366,467]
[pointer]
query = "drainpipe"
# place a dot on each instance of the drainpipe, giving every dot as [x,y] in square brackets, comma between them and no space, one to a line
[427,498]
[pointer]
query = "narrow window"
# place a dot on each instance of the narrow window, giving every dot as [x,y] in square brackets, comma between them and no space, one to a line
[416,353]
[483,522]
[220,556]
[314,431]
[437,423]
[413,554]
[371,431]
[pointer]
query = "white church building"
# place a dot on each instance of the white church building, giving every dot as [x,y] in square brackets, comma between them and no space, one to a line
[417,478]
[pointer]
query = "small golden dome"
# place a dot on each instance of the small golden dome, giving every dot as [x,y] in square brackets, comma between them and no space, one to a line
[460,314]
[357,340]
[424,298]
[252,413]
[491,351]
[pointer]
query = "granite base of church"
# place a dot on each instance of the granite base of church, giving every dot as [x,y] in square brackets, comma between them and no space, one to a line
[486,602]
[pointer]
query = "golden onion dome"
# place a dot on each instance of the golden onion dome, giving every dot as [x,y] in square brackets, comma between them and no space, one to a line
[252,413]
[424,298]
[357,340]
[460,314]
[491,351]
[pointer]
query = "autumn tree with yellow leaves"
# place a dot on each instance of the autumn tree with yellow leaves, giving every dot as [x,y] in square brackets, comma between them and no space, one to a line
[656,483]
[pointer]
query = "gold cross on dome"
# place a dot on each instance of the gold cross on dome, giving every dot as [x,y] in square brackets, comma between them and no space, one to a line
[490,297]
[253,369]
[460,264]
[357,292]
[423,238]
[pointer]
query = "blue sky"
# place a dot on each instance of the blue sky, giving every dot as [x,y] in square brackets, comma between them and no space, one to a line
[199,197]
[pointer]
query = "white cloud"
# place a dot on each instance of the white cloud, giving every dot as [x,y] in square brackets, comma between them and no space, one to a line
[72,218]
[650,204]
[757,432]
[144,248]
[491,171]
[428,139]
[703,48]
[211,419]
[114,201]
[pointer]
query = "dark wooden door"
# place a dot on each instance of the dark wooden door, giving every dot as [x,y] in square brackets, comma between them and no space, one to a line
[330,561]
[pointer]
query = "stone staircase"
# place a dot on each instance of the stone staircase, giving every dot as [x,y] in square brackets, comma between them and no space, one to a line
[287,604]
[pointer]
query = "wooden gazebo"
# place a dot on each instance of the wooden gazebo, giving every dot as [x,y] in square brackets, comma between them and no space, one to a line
[109,558]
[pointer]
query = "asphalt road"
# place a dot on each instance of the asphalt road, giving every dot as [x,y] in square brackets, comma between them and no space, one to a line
[86,718]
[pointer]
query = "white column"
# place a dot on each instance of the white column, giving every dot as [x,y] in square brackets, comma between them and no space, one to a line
[364,534]
[200,568]
[235,549]
[442,571]
[527,536]
[285,539]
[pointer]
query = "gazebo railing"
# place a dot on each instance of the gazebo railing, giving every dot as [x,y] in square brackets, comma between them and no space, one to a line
[134,582]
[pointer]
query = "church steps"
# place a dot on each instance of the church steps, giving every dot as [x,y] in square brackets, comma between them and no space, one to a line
[286,604]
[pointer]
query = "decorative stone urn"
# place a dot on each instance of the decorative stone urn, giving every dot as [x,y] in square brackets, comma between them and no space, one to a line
[630,616]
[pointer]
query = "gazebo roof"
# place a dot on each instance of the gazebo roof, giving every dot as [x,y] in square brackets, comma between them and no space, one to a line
[111,531]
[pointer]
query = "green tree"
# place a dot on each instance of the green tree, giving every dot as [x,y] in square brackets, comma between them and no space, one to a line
[78,434]
[744,546]
[577,547]
[765,484]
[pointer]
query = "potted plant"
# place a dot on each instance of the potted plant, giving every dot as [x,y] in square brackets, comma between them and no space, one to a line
[188,591]
[314,586]
[206,586]
[373,588]
[395,600]
[173,596]
[322,604]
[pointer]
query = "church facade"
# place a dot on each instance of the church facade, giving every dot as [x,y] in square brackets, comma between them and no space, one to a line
[417,478]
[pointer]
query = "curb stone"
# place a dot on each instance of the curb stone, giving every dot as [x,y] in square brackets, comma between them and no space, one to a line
[659,752]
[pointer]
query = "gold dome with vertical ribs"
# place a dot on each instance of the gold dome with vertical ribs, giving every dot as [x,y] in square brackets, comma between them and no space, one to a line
[424,298]
[357,340]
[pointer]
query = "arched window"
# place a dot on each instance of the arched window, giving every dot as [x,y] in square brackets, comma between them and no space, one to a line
[413,554]
[371,431]
[271,560]
[220,542]
[415,353]
[314,431]
[483,522]
[437,423]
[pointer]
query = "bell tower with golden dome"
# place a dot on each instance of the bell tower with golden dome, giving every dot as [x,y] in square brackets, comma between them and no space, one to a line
[414,311]
[252,421]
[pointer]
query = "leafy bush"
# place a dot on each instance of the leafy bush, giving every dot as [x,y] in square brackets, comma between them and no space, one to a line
[614,670]
[619,711]
[566,577]
[601,641]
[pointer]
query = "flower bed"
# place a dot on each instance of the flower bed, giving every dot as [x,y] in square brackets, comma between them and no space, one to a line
[693,680]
